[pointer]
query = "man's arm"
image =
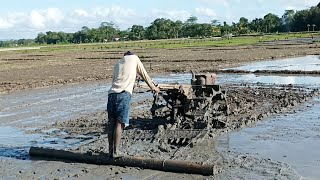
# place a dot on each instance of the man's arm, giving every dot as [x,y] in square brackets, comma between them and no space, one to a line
[143,73]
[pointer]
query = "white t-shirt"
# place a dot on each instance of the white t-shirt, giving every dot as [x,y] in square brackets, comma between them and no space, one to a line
[125,72]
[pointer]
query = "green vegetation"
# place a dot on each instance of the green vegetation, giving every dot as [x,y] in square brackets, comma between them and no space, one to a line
[300,21]
[172,43]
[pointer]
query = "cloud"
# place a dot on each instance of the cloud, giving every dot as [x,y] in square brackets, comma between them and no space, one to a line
[170,14]
[296,4]
[290,8]
[205,15]
[206,12]
[28,24]
[10,20]
[5,24]
[302,4]
[37,20]
[54,15]
[80,13]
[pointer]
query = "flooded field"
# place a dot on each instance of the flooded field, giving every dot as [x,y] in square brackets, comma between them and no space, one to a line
[33,109]
[38,107]
[293,138]
[30,117]
[306,63]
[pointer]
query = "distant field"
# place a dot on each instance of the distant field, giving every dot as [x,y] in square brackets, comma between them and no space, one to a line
[175,43]
[182,43]
[23,68]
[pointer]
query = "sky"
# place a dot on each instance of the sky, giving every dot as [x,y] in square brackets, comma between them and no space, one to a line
[26,18]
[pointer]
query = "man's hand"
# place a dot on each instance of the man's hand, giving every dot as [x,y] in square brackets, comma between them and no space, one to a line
[156,90]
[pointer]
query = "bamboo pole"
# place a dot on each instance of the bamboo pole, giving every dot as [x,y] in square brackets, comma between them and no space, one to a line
[147,163]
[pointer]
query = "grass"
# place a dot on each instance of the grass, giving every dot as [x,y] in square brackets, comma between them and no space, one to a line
[182,43]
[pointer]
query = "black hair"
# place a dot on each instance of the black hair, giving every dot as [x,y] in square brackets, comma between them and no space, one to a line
[128,53]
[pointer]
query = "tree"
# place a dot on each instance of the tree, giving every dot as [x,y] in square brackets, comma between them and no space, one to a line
[107,31]
[272,23]
[85,29]
[124,35]
[300,20]
[225,29]
[192,20]
[257,25]
[136,32]
[314,16]
[52,37]
[215,22]
[177,28]
[243,25]
[161,28]
[205,30]
[41,38]
[287,19]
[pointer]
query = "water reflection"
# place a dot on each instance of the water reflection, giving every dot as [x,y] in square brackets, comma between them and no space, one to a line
[292,138]
[39,107]
[312,81]
[307,63]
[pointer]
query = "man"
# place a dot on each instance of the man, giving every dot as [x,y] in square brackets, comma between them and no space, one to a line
[124,75]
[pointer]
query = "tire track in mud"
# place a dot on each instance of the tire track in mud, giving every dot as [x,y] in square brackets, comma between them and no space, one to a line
[244,99]
[62,67]
[247,105]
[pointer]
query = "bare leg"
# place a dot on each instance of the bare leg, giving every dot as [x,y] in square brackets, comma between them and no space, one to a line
[110,137]
[117,135]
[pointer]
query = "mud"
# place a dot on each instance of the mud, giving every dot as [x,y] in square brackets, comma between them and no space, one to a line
[73,117]
[292,138]
[38,107]
[53,67]
[247,105]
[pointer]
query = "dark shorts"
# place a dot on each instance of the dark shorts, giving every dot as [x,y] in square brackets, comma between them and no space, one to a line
[119,107]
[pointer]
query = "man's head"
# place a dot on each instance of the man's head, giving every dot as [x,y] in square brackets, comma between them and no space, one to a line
[128,53]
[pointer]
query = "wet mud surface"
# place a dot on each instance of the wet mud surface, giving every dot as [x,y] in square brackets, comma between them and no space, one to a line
[306,63]
[292,138]
[73,117]
[248,104]
[42,68]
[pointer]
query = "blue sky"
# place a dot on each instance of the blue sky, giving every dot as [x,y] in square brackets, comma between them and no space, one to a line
[25,19]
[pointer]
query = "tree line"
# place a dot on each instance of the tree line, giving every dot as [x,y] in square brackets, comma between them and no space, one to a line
[161,28]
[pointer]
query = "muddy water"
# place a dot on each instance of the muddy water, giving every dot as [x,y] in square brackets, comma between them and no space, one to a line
[293,138]
[222,79]
[42,106]
[32,109]
[14,143]
[307,63]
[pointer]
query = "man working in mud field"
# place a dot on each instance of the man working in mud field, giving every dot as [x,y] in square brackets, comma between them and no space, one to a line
[124,75]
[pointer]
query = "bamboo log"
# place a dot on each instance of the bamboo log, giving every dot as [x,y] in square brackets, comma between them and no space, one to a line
[147,163]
